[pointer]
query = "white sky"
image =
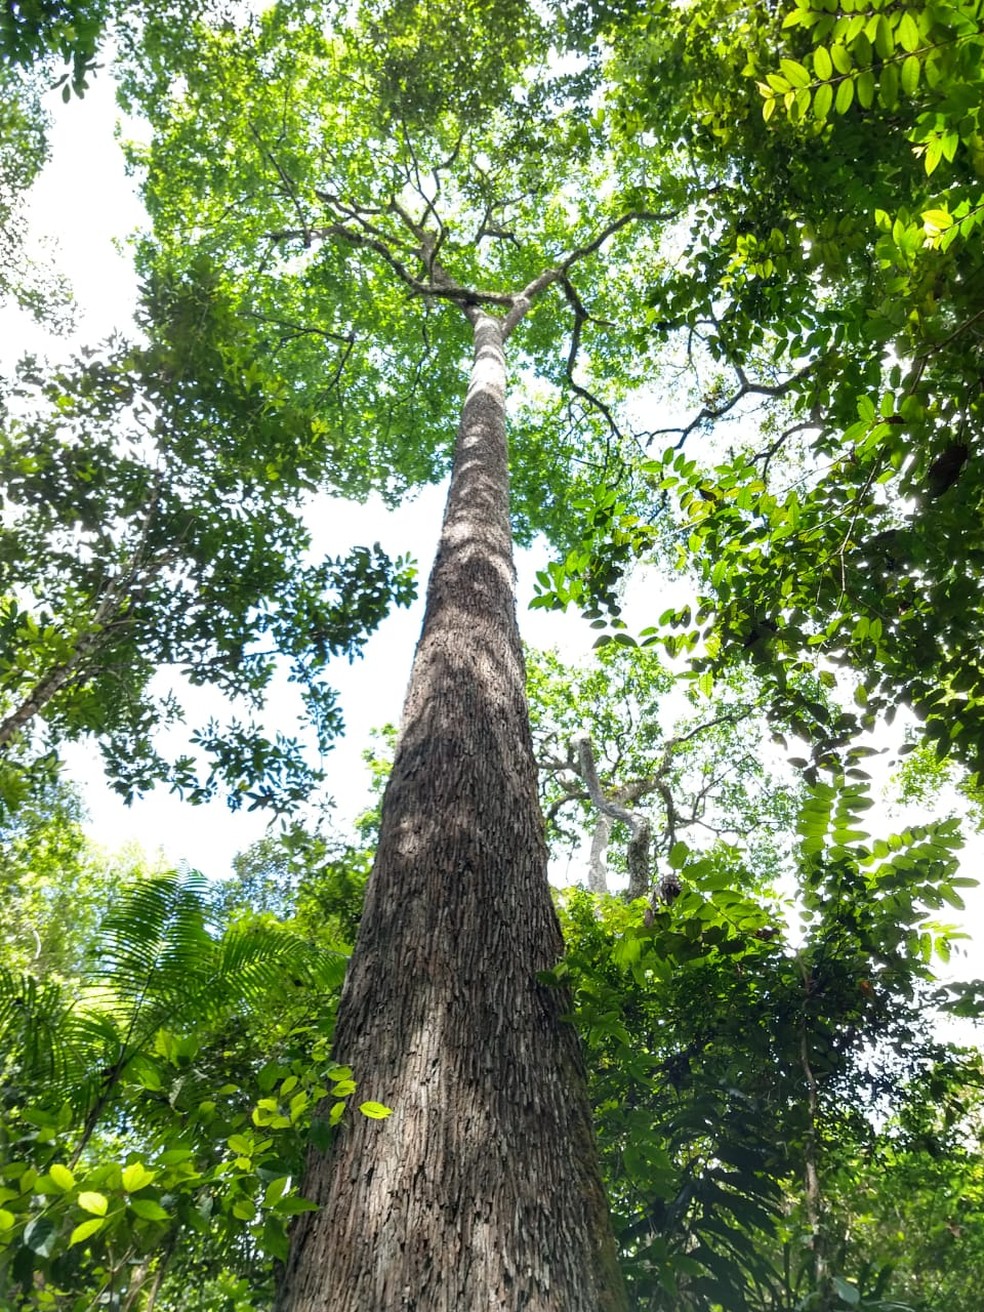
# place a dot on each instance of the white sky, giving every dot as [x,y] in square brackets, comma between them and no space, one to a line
[85,203]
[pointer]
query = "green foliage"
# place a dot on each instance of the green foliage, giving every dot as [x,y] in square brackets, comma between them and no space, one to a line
[322,188]
[307,879]
[140,540]
[772,1110]
[36,31]
[143,1124]
[827,273]
[54,889]
[734,1057]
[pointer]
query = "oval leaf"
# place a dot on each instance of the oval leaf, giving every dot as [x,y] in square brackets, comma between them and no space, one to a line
[795,73]
[275,1191]
[375,1110]
[90,1201]
[62,1176]
[136,1176]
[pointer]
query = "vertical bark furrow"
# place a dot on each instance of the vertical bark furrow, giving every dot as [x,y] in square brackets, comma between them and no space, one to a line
[481,1191]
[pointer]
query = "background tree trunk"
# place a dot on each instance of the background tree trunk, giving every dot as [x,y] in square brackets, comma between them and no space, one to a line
[482,1190]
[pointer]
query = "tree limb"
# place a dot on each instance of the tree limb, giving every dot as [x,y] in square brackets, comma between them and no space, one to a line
[637,853]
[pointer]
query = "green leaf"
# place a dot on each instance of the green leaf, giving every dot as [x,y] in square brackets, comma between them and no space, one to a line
[62,1176]
[375,1110]
[884,40]
[910,75]
[677,857]
[275,1190]
[908,32]
[795,73]
[41,1235]
[849,1293]
[845,96]
[91,1201]
[822,63]
[86,1230]
[136,1176]
[939,219]
[822,100]
[148,1210]
[292,1205]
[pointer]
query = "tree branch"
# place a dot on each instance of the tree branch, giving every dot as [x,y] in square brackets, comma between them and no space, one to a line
[710,413]
[637,854]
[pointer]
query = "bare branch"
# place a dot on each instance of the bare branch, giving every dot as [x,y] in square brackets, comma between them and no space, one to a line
[526,297]
[288,182]
[581,317]
[637,854]
[710,413]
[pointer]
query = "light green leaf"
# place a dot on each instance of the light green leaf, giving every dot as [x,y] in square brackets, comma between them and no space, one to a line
[375,1110]
[885,37]
[845,96]
[86,1230]
[908,32]
[938,219]
[910,75]
[91,1201]
[822,101]
[136,1176]
[796,73]
[62,1176]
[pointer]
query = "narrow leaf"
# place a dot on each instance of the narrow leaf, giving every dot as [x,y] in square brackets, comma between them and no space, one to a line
[86,1229]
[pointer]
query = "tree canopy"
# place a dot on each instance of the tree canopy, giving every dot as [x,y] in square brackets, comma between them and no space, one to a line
[730,253]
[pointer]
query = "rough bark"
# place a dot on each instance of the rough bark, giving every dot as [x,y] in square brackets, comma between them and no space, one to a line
[481,1191]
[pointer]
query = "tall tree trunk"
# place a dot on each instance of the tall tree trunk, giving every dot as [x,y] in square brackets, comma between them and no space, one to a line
[482,1190]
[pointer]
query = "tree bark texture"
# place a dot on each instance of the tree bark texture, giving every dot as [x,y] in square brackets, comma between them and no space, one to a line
[481,1191]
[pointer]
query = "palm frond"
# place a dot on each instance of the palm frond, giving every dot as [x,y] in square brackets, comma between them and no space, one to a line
[256,959]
